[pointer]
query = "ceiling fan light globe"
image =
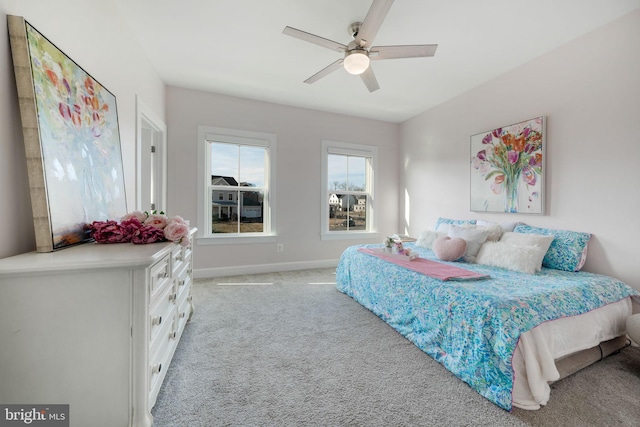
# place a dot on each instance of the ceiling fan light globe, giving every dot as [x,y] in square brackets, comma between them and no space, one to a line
[356,62]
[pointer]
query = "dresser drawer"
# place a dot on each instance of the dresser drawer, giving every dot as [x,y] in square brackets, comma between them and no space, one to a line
[184,311]
[181,257]
[161,311]
[188,250]
[182,286]
[158,366]
[177,257]
[164,333]
[160,274]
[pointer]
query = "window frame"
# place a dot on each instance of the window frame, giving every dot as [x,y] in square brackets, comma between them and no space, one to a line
[207,134]
[349,149]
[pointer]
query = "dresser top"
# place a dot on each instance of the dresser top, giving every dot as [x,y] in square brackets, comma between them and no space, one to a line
[86,256]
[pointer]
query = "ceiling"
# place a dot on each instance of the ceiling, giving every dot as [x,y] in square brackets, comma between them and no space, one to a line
[236,47]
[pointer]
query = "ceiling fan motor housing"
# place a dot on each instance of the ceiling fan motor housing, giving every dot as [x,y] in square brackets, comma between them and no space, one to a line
[354,29]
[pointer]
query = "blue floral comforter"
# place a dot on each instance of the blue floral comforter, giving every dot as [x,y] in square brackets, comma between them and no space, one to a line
[472,327]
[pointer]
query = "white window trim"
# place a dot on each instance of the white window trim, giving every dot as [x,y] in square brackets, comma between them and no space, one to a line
[334,147]
[209,133]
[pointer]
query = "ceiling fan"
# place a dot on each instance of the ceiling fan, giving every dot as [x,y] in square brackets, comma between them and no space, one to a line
[359,52]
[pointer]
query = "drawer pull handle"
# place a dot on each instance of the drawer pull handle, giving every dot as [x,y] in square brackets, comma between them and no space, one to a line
[163,275]
[182,282]
[172,335]
[183,314]
[172,297]
[180,258]
[189,298]
[156,369]
[156,320]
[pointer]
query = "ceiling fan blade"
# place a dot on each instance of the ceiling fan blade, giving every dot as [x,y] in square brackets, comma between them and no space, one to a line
[369,80]
[372,22]
[326,70]
[312,38]
[403,51]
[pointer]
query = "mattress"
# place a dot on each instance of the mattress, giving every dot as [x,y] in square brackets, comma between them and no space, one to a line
[534,360]
[500,335]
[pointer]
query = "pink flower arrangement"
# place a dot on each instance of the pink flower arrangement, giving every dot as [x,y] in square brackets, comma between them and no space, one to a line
[141,228]
[399,249]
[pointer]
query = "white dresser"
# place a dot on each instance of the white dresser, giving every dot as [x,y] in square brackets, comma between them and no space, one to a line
[94,326]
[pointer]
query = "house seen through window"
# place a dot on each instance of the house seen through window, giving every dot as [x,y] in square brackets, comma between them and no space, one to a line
[236,193]
[238,187]
[348,176]
[347,198]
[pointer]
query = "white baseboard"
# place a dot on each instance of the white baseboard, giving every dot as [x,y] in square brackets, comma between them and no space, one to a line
[206,273]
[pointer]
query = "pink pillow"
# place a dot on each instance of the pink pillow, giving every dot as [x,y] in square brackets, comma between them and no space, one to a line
[448,249]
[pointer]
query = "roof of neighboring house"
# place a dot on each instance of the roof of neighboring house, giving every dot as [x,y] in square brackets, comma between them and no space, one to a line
[223,180]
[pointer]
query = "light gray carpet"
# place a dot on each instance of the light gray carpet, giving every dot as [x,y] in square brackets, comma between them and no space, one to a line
[300,353]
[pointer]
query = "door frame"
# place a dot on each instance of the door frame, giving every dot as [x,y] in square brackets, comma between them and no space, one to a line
[146,119]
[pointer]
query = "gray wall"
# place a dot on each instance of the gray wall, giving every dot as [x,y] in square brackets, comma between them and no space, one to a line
[299,135]
[589,90]
[95,36]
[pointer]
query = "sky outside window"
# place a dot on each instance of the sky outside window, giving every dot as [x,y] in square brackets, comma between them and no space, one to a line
[346,171]
[243,163]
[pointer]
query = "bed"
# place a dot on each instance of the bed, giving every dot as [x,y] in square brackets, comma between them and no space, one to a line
[509,335]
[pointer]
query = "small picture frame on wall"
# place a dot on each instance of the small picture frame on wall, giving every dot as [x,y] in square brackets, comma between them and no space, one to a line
[507,168]
[72,141]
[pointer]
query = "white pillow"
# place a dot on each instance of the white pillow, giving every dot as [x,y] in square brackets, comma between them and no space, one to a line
[521,239]
[474,237]
[445,227]
[506,226]
[495,231]
[523,258]
[427,237]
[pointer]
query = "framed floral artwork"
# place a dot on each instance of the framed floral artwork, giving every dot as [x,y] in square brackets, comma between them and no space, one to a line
[72,141]
[507,168]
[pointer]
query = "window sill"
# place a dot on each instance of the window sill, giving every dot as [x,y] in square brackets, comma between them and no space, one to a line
[226,240]
[350,235]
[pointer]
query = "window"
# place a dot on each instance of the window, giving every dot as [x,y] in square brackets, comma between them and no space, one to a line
[236,195]
[347,189]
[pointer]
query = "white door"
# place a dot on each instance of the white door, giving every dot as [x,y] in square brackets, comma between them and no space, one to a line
[152,160]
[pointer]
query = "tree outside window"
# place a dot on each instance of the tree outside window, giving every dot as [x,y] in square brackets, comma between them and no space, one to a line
[348,171]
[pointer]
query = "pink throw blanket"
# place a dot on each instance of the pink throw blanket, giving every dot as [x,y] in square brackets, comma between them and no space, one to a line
[427,267]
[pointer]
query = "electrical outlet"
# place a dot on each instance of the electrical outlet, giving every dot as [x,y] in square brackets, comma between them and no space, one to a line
[279,247]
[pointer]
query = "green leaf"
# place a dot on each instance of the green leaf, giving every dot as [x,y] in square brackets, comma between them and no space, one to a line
[492,174]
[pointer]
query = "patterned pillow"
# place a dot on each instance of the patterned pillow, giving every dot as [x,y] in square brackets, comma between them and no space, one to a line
[567,252]
[448,221]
